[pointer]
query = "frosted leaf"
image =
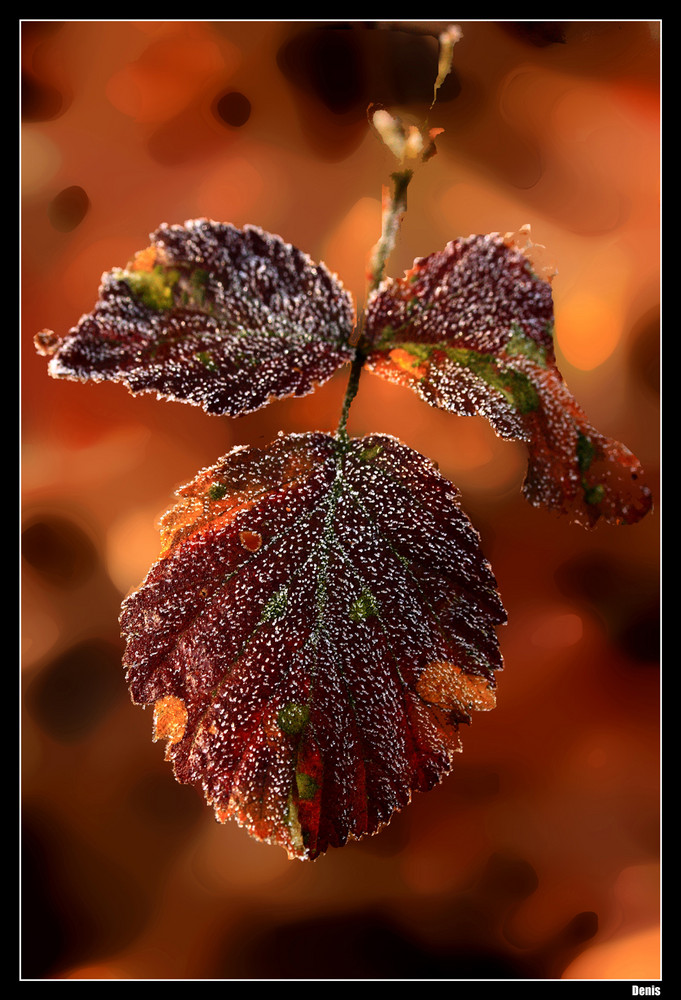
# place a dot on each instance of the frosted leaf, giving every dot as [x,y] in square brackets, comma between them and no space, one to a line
[470,330]
[320,622]
[211,315]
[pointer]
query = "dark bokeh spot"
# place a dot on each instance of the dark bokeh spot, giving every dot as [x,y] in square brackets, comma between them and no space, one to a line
[68,209]
[410,69]
[40,101]
[45,935]
[581,928]
[640,635]
[644,358]
[626,599]
[328,63]
[538,34]
[557,952]
[471,940]
[346,68]
[233,108]
[59,549]
[337,71]
[71,695]
[162,803]
[35,32]
[508,879]
[359,945]
[592,577]
[77,905]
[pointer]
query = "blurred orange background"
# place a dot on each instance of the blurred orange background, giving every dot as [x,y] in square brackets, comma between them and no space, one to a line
[538,857]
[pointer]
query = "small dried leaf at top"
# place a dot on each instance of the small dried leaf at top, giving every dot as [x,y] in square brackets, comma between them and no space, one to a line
[447,40]
[320,623]
[208,314]
[470,330]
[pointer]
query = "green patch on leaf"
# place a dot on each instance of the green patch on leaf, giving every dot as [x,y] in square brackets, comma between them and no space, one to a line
[370,453]
[205,358]
[199,277]
[514,386]
[275,607]
[420,352]
[363,606]
[585,452]
[154,288]
[521,344]
[594,494]
[293,718]
[306,785]
[194,290]
[386,339]
[217,491]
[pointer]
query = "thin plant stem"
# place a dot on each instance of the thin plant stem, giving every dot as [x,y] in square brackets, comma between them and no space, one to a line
[350,393]
[392,218]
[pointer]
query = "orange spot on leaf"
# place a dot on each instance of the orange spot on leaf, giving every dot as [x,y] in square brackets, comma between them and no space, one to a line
[170,719]
[251,540]
[409,362]
[144,260]
[446,685]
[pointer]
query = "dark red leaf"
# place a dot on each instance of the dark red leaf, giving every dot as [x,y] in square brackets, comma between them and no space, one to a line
[320,622]
[470,330]
[212,315]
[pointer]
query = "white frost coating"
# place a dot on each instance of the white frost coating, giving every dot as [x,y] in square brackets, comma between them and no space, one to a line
[368,571]
[248,319]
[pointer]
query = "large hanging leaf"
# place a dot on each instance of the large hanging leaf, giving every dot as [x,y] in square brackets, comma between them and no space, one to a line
[470,330]
[320,622]
[212,315]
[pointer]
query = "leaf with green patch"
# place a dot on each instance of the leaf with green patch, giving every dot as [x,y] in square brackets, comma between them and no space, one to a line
[470,330]
[320,622]
[223,318]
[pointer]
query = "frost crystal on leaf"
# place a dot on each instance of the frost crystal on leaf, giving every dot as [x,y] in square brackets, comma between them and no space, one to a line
[470,330]
[212,315]
[321,621]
